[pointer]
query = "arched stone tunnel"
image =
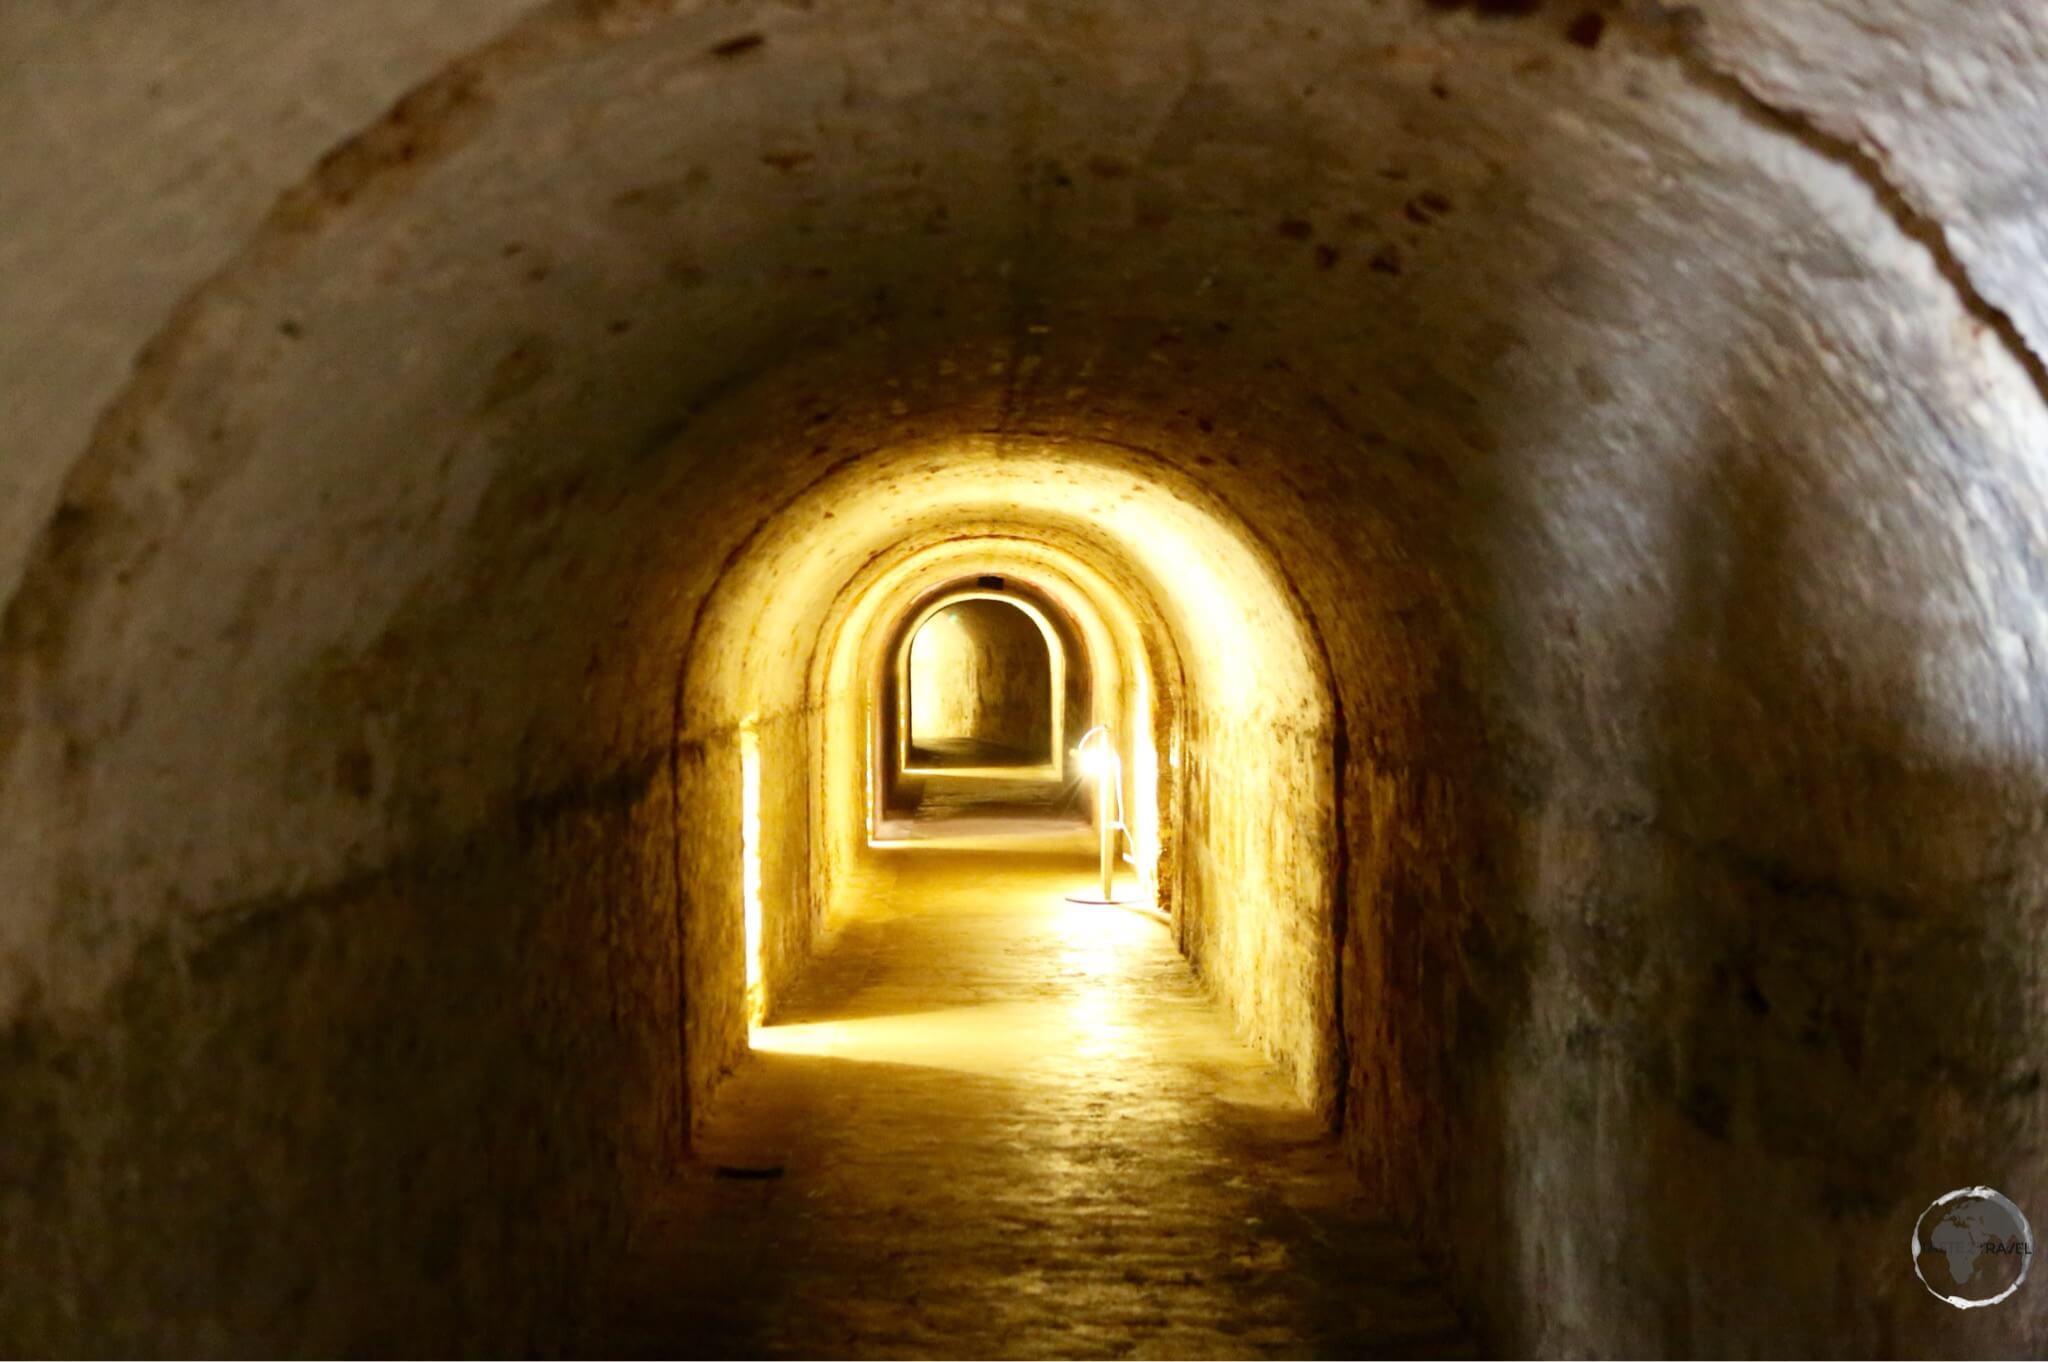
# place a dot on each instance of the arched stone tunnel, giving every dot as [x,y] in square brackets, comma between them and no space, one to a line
[1549,498]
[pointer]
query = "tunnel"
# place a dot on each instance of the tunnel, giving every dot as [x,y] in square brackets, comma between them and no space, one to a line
[584,583]
[977,686]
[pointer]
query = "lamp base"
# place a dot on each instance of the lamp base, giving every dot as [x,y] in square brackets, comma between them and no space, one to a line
[1099,901]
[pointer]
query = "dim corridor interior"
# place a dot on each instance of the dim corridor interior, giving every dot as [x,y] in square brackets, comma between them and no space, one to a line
[1532,514]
[992,1123]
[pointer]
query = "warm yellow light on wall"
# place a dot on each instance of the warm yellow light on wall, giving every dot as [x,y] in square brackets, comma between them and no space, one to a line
[1144,821]
[927,678]
[750,866]
[870,786]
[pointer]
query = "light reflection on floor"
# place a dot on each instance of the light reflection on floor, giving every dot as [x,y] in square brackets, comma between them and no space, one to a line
[1090,949]
[989,1122]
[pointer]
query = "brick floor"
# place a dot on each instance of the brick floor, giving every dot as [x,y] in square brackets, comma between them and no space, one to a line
[1007,1126]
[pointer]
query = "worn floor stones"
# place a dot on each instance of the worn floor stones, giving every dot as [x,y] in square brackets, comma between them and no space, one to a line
[991,1123]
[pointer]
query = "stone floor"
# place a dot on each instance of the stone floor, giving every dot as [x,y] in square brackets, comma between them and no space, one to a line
[994,1124]
[973,753]
[923,808]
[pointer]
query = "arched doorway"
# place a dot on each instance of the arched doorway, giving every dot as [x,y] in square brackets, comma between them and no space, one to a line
[981,679]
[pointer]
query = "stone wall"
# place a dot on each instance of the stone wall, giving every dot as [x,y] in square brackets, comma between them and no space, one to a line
[360,1120]
[1637,415]
[981,670]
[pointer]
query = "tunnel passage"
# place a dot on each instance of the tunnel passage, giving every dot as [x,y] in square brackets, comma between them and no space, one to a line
[1194,652]
[1567,494]
[977,687]
[1042,661]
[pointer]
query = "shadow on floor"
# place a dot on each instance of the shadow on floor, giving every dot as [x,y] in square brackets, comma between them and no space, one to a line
[991,1123]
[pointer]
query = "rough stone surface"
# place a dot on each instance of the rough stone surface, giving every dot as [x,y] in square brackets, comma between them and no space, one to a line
[1000,1126]
[325,1124]
[980,682]
[1578,490]
[142,144]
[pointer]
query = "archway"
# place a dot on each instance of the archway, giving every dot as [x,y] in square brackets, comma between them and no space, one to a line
[1204,664]
[981,687]
[394,662]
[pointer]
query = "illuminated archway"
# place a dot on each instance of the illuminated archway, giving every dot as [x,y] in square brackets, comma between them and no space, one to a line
[920,690]
[1205,663]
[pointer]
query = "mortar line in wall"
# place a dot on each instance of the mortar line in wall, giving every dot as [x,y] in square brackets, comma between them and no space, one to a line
[1697,63]
[628,781]
[760,717]
[675,842]
[1340,901]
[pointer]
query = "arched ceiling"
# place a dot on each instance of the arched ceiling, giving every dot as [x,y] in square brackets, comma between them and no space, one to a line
[1641,406]
[1461,309]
